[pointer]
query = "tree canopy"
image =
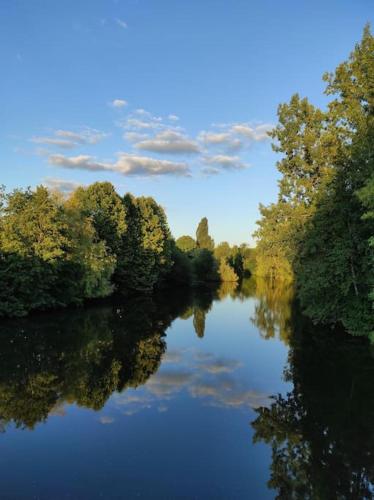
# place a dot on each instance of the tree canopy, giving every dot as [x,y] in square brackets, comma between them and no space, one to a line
[320,231]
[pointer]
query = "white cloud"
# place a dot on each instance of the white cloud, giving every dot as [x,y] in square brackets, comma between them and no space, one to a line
[121,23]
[144,166]
[226,162]
[61,185]
[118,103]
[83,162]
[86,136]
[169,141]
[136,123]
[224,139]
[53,141]
[126,164]
[135,136]
[142,120]
[173,118]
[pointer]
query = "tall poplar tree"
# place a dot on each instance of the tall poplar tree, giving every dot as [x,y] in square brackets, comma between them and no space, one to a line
[203,240]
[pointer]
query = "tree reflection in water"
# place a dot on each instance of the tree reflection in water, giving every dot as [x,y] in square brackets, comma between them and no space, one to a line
[322,432]
[273,309]
[83,356]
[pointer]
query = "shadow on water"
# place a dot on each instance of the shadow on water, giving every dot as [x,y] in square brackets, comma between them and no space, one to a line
[321,434]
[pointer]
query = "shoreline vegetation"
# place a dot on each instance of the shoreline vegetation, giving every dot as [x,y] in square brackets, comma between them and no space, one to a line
[318,237]
[320,232]
[57,251]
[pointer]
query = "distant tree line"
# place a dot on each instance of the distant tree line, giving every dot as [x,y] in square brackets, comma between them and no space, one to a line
[320,232]
[56,251]
[221,263]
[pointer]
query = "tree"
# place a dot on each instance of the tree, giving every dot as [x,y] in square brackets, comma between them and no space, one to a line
[309,148]
[203,240]
[318,232]
[204,267]
[49,254]
[222,251]
[145,256]
[335,271]
[104,207]
[34,242]
[226,272]
[181,270]
[186,243]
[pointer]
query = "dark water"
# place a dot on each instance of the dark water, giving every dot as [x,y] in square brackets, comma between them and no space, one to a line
[227,394]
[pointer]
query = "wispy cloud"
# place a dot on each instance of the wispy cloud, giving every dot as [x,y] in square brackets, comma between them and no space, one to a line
[140,119]
[68,139]
[256,133]
[53,141]
[121,23]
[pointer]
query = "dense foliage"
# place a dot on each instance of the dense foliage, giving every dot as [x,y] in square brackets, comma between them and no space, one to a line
[56,251]
[320,231]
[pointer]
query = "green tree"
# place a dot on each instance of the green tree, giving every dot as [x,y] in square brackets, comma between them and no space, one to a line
[335,271]
[222,251]
[104,207]
[34,248]
[317,230]
[145,256]
[203,240]
[186,243]
[226,272]
[204,267]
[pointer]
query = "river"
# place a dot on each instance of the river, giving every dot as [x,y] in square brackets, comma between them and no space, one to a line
[225,394]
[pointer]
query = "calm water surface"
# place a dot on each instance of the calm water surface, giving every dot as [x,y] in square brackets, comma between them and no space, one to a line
[226,394]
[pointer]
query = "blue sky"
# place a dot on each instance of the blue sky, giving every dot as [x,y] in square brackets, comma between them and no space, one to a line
[165,98]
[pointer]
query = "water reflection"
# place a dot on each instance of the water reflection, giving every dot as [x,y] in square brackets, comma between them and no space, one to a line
[200,375]
[322,432]
[273,309]
[84,356]
[80,356]
[115,356]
